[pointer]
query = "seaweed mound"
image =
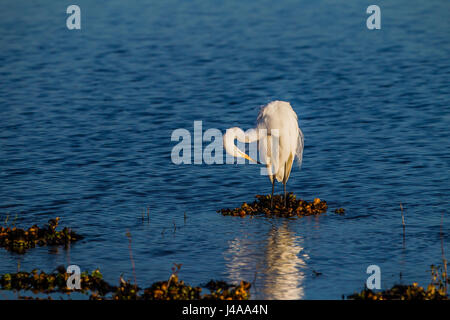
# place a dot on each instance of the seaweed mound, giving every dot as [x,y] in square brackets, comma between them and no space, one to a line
[436,290]
[19,240]
[293,208]
[92,284]
[56,281]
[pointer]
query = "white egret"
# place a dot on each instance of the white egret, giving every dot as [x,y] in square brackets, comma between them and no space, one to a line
[279,137]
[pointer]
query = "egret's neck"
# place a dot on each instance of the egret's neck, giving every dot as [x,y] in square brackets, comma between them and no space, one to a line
[237,133]
[228,141]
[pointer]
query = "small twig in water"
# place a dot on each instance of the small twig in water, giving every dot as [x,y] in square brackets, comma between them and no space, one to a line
[316,273]
[254,279]
[128,234]
[15,219]
[68,249]
[175,270]
[403,224]
[444,261]
[403,217]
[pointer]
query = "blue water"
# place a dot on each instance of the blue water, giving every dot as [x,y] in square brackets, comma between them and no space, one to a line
[87,117]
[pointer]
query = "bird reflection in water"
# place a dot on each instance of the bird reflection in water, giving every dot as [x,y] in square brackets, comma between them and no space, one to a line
[276,265]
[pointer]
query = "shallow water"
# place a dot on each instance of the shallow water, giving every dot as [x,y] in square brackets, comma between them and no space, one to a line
[87,116]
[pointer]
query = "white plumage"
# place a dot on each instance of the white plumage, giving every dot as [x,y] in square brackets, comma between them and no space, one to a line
[278,148]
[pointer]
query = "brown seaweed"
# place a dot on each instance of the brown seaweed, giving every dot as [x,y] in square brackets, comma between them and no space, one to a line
[19,240]
[436,290]
[98,289]
[263,206]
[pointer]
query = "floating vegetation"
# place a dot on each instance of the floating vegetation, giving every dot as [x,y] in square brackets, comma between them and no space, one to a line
[173,289]
[294,207]
[56,281]
[340,211]
[98,289]
[221,290]
[19,240]
[436,290]
[401,292]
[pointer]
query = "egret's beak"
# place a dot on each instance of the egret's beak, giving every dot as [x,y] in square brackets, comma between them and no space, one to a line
[249,159]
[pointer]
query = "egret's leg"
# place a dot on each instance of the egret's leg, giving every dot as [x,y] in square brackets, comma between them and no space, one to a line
[284,183]
[273,186]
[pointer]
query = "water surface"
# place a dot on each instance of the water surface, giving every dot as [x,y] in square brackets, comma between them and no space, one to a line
[87,116]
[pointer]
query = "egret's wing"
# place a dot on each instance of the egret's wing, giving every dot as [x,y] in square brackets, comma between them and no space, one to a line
[265,153]
[300,146]
[288,165]
[265,143]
